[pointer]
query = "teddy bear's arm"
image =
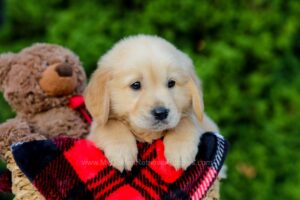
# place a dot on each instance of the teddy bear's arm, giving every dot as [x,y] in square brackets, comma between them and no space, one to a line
[15,130]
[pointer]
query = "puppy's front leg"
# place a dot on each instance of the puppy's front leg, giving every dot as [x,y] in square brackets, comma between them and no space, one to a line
[117,142]
[181,144]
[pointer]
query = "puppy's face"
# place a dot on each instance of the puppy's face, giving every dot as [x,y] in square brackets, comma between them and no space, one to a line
[145,81]
[151,96]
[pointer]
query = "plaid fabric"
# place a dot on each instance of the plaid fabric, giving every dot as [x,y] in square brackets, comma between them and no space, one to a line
[65,168]
[5,181]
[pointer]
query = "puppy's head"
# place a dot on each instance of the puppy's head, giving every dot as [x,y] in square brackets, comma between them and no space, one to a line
[145,81]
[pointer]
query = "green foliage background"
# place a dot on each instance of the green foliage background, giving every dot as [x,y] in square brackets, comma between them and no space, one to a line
[246,52]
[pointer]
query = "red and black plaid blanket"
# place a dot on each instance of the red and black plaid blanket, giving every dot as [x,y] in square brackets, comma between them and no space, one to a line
[65,168]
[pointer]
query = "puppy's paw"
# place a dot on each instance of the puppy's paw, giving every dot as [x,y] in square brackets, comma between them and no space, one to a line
[121,156]
[179,154]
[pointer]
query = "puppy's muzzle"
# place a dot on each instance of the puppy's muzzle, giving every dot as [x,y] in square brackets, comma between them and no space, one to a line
[160,113]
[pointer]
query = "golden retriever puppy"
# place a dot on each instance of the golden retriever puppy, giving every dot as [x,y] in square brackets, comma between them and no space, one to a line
[143,89]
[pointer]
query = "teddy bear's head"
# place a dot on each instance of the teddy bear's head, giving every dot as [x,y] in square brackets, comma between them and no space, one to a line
[40,77]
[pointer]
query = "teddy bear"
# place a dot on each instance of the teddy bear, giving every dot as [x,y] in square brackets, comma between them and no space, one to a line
[38,83]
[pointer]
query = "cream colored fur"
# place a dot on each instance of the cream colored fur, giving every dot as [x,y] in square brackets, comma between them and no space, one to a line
[122,115]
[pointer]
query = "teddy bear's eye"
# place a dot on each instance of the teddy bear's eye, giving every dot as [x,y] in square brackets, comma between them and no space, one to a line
[46,64]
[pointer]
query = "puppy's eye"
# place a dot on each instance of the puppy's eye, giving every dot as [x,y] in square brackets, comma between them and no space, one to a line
[171,83]
[136,85]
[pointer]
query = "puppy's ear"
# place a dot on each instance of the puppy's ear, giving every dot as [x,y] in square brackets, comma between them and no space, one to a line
[5,66]
[197,98]
[97,96]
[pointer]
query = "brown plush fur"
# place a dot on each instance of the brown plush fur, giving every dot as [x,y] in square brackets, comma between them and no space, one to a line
[43,107]
[37,83]
[20,75]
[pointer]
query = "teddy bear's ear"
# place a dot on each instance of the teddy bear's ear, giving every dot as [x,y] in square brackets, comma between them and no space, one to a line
[5,65]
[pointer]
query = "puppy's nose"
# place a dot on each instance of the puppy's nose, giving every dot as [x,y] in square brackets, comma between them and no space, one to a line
[64,70]
[160,113]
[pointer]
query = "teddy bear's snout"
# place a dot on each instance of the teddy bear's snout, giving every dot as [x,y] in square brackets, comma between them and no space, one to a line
[58,80]
[64,70]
